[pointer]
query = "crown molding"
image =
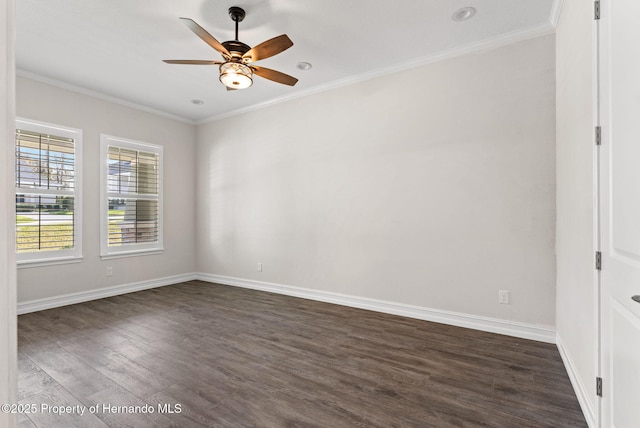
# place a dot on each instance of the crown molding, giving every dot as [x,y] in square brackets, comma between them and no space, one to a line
[556,9]
[101,96]
[474,47]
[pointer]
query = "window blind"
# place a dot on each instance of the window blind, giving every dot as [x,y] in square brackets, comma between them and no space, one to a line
[133,196]
[45,192]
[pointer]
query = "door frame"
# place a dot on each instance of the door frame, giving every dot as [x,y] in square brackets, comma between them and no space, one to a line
[597,207]
[8,305]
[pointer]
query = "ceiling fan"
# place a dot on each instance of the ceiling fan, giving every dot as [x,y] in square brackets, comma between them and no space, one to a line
[237,69]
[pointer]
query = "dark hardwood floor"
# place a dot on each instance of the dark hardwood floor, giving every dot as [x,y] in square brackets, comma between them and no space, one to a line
[223,356]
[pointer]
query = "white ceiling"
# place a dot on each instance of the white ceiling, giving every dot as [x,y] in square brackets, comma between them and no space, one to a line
[115,47]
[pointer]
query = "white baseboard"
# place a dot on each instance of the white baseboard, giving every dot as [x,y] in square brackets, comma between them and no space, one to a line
[578,387]
[493,325]
[100,293]
[476,322]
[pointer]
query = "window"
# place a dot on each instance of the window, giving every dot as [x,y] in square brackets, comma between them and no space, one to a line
[131,182]
[48,181]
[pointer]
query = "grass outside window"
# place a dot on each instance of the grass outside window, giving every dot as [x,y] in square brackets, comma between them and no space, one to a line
[47,237]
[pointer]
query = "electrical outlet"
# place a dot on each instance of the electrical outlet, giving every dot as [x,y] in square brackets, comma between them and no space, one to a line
[109,271]
[503,297]
[259,267]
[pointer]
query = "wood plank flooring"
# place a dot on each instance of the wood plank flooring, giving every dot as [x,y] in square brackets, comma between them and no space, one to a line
[230,357]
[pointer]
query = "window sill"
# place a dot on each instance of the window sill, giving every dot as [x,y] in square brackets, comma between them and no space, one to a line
[23,264]
[133,253]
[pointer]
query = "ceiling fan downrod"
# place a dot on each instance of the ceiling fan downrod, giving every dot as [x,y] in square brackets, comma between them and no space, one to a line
[237,14]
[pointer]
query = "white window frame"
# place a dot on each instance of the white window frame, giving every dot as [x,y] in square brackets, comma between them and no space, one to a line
[136,249]
[74,255]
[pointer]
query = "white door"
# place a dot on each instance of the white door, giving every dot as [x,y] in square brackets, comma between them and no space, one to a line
[620,212]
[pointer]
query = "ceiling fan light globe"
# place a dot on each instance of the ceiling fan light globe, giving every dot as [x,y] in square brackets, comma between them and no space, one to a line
[235,75]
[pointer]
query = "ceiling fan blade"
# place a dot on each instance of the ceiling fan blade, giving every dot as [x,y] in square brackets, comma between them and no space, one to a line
[204,35]
[274,75]
[192,61]
[269,48]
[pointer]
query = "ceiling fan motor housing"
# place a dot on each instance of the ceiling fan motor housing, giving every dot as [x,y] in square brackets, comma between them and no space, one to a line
[236,48]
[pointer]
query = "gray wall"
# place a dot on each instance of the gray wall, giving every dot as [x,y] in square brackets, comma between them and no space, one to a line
[46,103]
[432,187]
